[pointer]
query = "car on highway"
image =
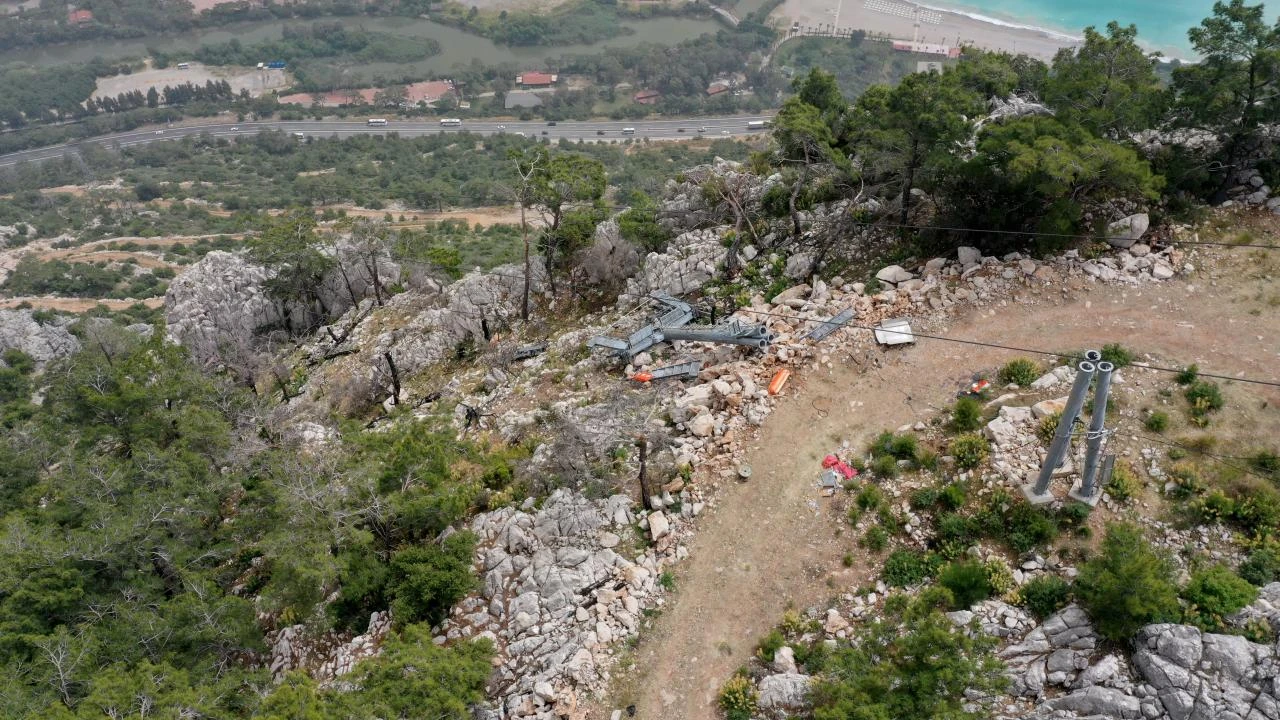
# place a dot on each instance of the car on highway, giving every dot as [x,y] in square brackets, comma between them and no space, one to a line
[235,128]
[520,134]
[159,132]
[551,123]
[702,129]
[299,135]
[599,132]
[724,132]
[502,127]
[679,129]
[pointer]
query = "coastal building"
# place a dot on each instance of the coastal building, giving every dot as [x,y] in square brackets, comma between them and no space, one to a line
[520,100]
[536,79]
[946,51]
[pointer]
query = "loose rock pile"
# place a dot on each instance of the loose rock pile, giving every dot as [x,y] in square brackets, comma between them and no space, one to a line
[562,585]
[328,656]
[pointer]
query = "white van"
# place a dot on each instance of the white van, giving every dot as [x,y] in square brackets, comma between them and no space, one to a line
[628,131]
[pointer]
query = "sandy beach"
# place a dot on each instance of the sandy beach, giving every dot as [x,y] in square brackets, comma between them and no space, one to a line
[897,18]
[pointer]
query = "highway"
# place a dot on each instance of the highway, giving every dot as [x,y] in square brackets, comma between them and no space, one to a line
[686,129]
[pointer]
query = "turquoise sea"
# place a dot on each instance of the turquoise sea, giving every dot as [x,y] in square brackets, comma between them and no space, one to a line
[1162,24]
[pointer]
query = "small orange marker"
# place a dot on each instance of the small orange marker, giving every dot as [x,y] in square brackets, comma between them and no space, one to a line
[642,377]
[779,380]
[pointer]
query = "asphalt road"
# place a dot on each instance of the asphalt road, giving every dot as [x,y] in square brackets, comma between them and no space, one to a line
[711,127]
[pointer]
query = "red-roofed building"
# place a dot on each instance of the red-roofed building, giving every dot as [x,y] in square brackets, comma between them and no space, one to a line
[536,79]
[80,17]
[717,87]
[647,97]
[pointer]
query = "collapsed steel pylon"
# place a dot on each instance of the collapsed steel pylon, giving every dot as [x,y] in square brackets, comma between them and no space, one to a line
[674,325]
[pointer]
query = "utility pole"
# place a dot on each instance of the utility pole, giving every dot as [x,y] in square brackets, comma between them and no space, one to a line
[643,443]
[1087,490]
[1038,493]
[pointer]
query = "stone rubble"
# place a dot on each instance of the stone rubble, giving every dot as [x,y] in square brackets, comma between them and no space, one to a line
[559,593]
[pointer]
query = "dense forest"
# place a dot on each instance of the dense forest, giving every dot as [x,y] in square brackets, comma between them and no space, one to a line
[273,169]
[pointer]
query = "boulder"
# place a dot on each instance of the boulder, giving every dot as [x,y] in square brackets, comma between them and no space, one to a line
[783,695]
[968,256]
[893,274]
[44,342]
[658,525]
[1045,408]
[784,660]
[1125,232]
[702,425]
[798,266]
[1099,702]
[1002,432]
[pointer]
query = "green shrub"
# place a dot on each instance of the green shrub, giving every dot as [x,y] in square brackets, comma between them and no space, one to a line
[1157,421]
[952,496]
[969,450]
[769,644]
[1027,527]
[1124,483]
[967,581]
[1048,427]
[1044,595]
[1117,355]
[738,698]
[924,498]
[1127,585]
[426,580]
[1205,397]
[910,663]
[899,447]
[1262,565]
[1189,375]
[1020,371]
[999,576]
[1266,463]
[966,415]
[956,528]
[927,459]
[904,568]
[869,497]
[875,539]
[885,466]
[1214,593]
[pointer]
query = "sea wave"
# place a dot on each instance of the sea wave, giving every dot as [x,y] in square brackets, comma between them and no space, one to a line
[1004,23]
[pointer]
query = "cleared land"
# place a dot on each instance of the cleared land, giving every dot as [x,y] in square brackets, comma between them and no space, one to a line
[772,543]
[254,80]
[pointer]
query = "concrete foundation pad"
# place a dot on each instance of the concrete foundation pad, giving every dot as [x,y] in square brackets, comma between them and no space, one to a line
[1091,501]
[1029,492]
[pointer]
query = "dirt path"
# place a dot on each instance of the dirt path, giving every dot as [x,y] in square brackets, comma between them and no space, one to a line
[763,548]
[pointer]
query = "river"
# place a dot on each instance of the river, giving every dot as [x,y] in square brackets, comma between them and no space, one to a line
[457,47]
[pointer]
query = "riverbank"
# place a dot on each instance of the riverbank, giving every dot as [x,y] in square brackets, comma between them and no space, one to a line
[937,26]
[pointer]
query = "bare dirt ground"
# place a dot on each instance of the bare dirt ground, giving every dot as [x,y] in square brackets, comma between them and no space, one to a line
[772,543]
[76,305]
[255,81]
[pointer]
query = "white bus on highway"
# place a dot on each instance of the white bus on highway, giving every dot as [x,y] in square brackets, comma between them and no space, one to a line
[757,124]
[376,122]
[628,131]
[450,122]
